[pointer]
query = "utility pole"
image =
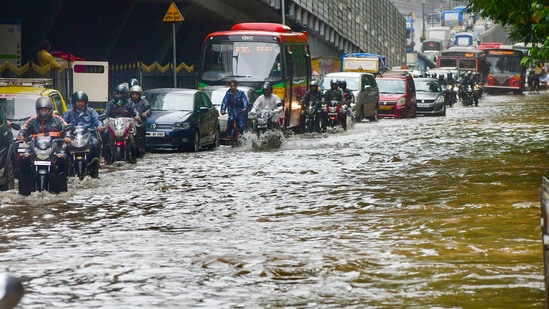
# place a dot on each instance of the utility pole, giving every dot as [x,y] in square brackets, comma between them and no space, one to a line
[423,36]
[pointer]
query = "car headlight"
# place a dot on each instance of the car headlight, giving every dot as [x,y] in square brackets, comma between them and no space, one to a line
[181,125]
[401,102]
[439,100]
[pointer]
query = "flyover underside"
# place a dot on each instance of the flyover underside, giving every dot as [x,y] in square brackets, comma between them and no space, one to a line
[126,31]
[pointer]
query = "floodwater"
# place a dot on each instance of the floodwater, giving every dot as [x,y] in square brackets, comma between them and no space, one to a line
[431,212]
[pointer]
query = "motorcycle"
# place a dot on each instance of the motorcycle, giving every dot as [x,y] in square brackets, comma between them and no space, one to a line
[44,164]
[450,94]
[311,116]
[121,131]
[466,95]
[265,125]
[334,109]
[80,150]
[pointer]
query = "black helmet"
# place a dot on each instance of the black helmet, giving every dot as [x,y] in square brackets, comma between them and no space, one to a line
[342,83]
[267,89]
[79,96]
[133,82]
[313,84]
[121,91]
[44,102]
[333,82]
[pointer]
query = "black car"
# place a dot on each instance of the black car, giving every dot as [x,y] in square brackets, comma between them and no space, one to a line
[7,152]
[183,119]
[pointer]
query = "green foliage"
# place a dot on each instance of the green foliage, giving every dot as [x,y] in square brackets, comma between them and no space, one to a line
[526,20]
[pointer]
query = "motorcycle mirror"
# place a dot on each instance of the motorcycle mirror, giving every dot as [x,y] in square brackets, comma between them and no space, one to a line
[102,117]
[15,126]
[67,128]
[279,104]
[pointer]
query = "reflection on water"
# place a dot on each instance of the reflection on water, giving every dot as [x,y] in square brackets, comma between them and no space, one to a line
[433,212]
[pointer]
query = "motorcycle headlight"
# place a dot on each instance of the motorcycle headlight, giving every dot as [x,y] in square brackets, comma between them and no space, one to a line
[43,154]
[181,125]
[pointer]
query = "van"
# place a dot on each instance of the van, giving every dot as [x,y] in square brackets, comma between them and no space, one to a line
[364,87]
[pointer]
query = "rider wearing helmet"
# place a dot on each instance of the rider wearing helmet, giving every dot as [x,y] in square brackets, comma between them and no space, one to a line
[144,109]
[120,106]
[45,121]
[266,101]
[349,98]
[314,95]
[236,102]
[82,115]
[334,94]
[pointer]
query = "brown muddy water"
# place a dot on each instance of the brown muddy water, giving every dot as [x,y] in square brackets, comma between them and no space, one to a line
[431,212]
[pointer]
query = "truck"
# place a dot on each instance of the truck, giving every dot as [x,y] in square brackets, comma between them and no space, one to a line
[464,39]
[91,77]
[452,19]
[363,62]
[10,36]
[441,34]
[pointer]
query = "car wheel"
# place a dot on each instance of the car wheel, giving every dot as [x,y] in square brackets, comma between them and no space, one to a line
[374,116]
[215,143]
[9,175]
[195,147]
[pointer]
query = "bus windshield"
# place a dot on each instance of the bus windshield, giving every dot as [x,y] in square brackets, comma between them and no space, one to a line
[243,61]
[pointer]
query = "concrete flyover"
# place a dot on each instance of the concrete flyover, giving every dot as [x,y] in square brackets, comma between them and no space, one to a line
[125,31]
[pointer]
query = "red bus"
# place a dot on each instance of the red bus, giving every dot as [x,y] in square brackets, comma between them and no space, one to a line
[504,71]
[255,53]
[463,59]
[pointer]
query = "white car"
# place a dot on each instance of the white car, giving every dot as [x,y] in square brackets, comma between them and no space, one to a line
[216,94]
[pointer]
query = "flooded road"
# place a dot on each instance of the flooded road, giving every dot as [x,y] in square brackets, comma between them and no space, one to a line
[432,212]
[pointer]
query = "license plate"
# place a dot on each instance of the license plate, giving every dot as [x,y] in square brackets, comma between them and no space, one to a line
[156,134]
[42,163]
[385,107]
[332,114]
[423,105]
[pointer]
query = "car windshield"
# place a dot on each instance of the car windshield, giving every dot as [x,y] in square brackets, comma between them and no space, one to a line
[390,85]
[171,101]
[19,108]
[353,83]
[427,86]
[217,96]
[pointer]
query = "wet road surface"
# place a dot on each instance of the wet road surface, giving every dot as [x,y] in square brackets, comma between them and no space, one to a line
[431,212]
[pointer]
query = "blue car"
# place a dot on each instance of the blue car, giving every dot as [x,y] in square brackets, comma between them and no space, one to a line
[182,119]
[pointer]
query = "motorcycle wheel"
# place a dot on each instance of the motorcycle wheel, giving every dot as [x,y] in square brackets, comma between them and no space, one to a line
[41,183]
[80,169]
[119,154]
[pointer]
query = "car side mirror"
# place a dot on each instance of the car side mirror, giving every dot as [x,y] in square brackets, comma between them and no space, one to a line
[203,110]
[367,87]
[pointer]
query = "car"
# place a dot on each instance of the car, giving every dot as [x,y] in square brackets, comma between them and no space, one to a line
[430,97]
[216,94]
[365,89]
[181,119]
[8,153]
[19,95]
[397,95]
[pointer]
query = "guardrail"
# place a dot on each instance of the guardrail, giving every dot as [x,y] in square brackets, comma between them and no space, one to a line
[544,197]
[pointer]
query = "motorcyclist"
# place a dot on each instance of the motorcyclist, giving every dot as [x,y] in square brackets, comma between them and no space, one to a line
[267,101]
[120,106]
[45,122]
[335,94]
[348,98]
[144,109]
[314,95]
[82,115]
[236,102]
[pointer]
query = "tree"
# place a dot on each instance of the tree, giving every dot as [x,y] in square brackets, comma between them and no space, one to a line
[526,20]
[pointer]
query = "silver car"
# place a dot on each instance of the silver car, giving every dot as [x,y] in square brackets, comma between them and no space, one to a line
[216,94]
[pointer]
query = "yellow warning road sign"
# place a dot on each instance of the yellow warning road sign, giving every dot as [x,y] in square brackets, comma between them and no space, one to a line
[173,14]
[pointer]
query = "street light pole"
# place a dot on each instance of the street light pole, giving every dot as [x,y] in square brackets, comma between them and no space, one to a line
[283,7]
[423,18]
